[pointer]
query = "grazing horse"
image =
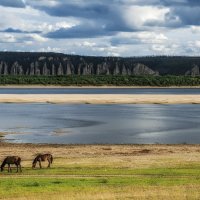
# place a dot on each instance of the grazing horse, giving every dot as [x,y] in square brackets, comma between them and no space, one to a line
[12,160]
[41,158]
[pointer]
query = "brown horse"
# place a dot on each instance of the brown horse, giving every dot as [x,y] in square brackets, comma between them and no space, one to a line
[41,158]
[12,160]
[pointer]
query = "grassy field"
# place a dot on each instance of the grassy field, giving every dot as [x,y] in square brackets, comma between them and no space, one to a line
[104,172]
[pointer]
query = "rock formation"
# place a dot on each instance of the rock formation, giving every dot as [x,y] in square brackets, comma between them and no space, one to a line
[23,63]
[141,69]
[194,71]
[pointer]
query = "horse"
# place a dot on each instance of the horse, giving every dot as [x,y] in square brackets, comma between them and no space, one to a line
[12,160]
[41,158]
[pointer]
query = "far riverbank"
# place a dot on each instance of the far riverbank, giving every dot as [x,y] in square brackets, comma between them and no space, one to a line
[94,87]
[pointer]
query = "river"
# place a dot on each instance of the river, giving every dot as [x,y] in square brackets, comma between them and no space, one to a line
[99,91]
[100,124]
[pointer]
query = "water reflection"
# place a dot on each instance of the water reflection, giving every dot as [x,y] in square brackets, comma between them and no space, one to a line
[92,124]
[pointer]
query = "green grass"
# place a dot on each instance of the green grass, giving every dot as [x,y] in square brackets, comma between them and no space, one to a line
[60,180]
[10,187]
[187,170]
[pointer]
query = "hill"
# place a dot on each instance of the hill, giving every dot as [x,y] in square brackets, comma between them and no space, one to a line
[57,64]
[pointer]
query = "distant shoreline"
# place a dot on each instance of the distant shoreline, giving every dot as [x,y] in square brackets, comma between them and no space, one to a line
[100,98]
[93,87]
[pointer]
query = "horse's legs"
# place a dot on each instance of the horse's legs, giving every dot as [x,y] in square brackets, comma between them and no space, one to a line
[49,162]
[9,168]
[20,167]
[40,164]
[17,167]
[36,164]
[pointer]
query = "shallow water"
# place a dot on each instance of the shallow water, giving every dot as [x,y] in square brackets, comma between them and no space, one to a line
[100,124]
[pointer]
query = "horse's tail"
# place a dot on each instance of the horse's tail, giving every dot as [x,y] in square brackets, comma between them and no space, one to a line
[51,159]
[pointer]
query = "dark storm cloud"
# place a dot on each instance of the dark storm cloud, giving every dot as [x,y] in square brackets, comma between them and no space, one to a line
[96,28]
[122,41]
[97,19]
[12,3]
[187,15]
[80,31]
[12,30]
[189,3]
[74,10]
[107,18]
[187,11]
[170,3]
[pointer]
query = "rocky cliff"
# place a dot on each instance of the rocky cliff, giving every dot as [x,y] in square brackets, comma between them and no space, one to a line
[194,71]
[12,63]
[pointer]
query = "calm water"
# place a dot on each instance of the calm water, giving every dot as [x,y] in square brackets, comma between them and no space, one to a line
[91,124]
[99,91]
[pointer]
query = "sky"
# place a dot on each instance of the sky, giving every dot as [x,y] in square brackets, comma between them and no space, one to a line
[101,27]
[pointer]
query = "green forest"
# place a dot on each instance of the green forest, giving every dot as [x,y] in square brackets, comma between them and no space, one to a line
[101,80]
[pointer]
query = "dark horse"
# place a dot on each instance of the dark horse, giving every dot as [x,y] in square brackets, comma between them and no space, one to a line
[41,158]
[12,160]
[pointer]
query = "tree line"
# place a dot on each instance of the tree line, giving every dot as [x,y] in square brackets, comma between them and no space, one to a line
[101,80]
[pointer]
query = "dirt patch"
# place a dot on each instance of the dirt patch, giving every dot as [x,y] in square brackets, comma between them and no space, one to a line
[145,151]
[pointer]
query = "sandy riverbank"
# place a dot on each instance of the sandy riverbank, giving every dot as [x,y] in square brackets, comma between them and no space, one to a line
[100,98]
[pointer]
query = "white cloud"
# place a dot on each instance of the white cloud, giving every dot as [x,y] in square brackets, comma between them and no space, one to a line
[143,29]
[195,29]
[138,38]
[7,38]
[160,48]
[152,37]
[197,43]
[38,38]
[50,49]
[64,24]
[28,42]
[50,3]
[87,44]
[136,16]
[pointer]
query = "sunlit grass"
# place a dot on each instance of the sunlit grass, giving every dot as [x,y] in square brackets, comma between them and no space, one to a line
[95,172]
[101,171]
[114,182]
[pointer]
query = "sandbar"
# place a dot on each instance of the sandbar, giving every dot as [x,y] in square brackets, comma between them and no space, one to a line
[100,98]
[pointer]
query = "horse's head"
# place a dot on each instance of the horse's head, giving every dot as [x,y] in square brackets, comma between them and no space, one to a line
[1,168]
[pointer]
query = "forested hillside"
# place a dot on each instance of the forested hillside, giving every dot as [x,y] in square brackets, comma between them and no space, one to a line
[56,64]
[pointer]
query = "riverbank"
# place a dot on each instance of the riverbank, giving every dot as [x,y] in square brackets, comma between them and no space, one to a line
[100,98]
[104,172]
[27,151]
[90,86]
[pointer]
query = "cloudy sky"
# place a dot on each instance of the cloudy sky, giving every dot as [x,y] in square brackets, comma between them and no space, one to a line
[101,27]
